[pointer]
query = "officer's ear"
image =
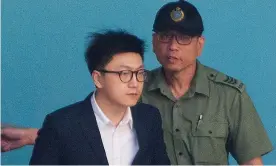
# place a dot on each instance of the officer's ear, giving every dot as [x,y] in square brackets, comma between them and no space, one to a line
[200,44]
[97,78]
[154,41]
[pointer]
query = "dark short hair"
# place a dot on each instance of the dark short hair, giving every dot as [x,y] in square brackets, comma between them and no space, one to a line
[104,45]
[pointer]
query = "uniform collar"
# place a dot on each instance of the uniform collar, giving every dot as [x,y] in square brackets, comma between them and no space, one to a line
[200,81]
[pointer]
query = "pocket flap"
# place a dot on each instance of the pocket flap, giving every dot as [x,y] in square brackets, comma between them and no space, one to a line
[211,129]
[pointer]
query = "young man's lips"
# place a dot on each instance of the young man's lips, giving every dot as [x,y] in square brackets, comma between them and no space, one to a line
[132,94]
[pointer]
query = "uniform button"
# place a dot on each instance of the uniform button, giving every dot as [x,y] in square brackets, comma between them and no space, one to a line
[177,130]
[180,153]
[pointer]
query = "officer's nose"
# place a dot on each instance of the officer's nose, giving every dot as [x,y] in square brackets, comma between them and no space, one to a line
[173,44]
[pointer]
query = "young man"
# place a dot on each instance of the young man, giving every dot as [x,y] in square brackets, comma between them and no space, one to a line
[108,126]
[206,114]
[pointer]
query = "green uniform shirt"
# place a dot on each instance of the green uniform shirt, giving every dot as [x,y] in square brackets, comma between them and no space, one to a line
[214,117]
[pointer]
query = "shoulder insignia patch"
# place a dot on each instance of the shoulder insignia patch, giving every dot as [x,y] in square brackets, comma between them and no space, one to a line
[227,80]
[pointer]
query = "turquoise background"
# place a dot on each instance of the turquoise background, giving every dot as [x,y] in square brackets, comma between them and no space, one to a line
[43,44]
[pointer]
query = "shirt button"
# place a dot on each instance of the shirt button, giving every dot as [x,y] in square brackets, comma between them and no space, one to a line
[180,153]
[177,130]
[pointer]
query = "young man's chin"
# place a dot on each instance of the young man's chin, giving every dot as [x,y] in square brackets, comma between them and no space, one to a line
[130,102]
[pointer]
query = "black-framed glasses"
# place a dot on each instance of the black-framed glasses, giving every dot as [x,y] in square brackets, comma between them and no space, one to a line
[127,75]
[166,37]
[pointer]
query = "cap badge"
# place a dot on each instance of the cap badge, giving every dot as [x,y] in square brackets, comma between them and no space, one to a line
[177,14]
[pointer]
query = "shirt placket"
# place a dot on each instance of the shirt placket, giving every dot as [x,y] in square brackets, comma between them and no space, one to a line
[116,157]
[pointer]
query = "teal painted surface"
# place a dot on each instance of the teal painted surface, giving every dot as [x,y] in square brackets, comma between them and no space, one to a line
[43,44]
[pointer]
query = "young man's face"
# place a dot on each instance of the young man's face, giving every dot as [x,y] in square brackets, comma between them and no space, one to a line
[123,89]
[176,51]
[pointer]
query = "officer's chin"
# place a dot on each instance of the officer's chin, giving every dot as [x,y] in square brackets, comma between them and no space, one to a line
[172,68]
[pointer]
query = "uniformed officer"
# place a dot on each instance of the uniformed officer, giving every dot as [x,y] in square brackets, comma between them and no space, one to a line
[206,114]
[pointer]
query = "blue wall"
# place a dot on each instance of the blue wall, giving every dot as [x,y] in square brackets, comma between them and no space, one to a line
[43,45]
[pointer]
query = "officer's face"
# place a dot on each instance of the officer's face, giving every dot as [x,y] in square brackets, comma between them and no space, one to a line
[176,51]
[117,82]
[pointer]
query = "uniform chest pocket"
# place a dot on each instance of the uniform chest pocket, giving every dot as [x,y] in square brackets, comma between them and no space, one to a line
[210,129]
[209,142]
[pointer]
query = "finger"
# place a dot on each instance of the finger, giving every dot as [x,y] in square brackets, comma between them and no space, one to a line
[5,146]
[6,135]
[10,146]
[12,133]
[5,149]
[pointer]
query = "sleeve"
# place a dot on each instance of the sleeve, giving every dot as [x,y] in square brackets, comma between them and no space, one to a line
[160,154]
[46,148]
[248,138]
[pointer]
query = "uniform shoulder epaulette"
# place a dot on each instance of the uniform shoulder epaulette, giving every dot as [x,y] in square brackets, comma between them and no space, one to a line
[226,80]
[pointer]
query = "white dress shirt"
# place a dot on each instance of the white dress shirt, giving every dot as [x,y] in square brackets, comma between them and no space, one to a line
[120,143]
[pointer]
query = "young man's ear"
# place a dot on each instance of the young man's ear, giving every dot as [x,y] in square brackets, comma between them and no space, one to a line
[97,78]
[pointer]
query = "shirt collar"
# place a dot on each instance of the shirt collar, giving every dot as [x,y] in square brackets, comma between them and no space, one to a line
[200,81]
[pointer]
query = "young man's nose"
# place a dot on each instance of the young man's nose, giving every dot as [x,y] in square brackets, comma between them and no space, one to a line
[133,82]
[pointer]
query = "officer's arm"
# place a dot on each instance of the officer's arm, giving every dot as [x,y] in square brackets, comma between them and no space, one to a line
[255,161]
[248,138]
